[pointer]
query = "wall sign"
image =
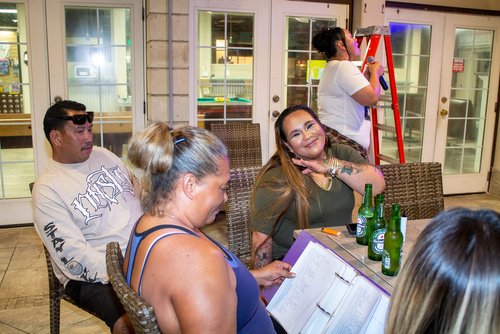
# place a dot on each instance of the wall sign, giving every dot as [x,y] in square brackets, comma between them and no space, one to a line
[458,64]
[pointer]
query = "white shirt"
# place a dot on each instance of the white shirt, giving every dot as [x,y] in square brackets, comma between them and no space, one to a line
[336,108]
[81,207]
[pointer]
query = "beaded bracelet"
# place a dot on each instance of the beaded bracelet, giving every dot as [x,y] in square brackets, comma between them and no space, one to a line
[334,167]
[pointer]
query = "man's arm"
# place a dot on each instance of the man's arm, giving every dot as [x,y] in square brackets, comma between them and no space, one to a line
[64,240]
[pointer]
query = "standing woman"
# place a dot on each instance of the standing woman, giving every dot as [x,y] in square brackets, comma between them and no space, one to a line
[344,91]
[193,283]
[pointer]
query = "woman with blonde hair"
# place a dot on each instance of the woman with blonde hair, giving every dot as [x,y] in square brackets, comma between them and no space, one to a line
[308,182]
[450,282]
[194,284]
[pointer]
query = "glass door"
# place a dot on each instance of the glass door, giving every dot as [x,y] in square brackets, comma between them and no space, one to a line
[94,55]
[225,63]
[99,47]
[18,68]
[295,67]
[17,167]
[230,63]
[254,58]
[411,46]
[447,86]
[468,93]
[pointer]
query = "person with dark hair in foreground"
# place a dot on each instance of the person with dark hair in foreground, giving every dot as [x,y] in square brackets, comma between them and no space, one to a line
[450,282]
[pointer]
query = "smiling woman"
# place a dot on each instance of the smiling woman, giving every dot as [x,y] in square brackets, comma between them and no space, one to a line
[308,182]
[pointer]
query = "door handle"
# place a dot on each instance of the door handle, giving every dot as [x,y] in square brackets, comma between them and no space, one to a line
[443,112]
[275,113]
[57,98]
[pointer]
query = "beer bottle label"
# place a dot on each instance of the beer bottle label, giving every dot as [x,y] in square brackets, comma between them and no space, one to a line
[378,241]
[361,226]
[386,260]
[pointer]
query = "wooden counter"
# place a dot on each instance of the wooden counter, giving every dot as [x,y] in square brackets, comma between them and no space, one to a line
[19,125]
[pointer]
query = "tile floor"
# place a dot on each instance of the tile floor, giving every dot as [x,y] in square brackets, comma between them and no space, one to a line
[23,278]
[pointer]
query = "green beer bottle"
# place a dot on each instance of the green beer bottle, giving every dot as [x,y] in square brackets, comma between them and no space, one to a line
[393,243]
[377,230]
[365,214]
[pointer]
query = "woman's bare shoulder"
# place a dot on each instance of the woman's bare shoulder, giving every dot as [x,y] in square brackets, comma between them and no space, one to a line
[185,253]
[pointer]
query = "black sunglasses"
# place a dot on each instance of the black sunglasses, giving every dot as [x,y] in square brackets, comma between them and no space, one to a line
[78,119]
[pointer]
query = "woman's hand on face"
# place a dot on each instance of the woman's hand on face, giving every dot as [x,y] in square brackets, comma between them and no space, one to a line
[273,273]
[311,166]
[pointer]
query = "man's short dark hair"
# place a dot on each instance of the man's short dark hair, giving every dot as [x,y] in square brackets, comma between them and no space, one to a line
[51,122]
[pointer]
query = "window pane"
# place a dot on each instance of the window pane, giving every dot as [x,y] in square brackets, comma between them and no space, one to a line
[297,95]
[225,53]
[16,146]
[411,49]
[16,173]
[469,93]
[98,51]
[472,160]
[298,33]
[303,65]
[452,160]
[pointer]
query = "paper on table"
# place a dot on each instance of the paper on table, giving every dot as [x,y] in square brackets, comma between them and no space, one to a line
[328,296]
[290,304]
[291,257]
[361,304]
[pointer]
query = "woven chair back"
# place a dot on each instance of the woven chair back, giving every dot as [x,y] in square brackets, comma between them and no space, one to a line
[141,313]
[242,141]
[56,293]
[417,187]
[238,212]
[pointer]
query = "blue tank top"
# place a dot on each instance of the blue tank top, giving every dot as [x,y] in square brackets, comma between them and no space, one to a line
[251,315]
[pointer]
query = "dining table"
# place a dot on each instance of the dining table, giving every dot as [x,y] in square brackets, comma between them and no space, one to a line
[345,246]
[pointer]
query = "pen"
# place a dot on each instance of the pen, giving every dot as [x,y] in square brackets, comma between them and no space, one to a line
[331,231]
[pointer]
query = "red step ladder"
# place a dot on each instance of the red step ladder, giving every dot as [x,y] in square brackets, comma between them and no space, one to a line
[373,35]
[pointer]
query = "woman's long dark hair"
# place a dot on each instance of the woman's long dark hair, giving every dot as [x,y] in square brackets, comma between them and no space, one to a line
[293,188]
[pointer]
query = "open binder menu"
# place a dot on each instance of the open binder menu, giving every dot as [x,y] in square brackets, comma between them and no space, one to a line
[328,296]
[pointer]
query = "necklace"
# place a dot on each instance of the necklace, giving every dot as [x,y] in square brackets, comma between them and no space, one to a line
[328,185]
[319,180]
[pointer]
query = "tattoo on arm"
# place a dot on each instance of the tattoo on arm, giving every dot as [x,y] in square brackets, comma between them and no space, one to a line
[349,168]
[263,254]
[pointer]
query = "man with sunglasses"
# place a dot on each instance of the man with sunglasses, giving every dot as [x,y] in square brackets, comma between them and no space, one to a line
[84,200]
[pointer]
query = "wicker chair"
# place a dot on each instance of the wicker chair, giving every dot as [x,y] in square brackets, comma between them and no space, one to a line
[141,313]
[417,187]
[242,141]
[56,293]
[238,212]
